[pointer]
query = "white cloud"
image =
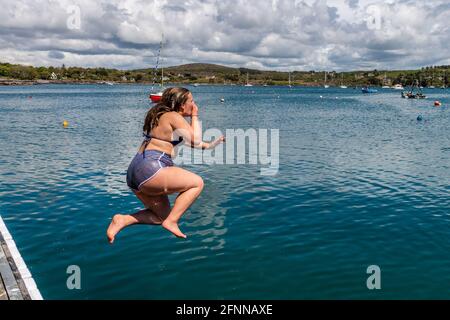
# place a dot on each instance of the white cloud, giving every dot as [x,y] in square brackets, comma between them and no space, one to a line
[276,34]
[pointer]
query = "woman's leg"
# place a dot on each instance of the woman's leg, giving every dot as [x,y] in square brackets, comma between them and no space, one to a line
[175,180]
[158,208]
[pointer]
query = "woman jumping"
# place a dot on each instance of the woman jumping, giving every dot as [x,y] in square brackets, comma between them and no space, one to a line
[151,174]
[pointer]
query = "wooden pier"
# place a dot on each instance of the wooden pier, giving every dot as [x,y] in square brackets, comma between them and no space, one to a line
[16,282]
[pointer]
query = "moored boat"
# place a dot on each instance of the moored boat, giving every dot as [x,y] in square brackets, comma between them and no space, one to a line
[156,96]
[368,90]
[248,84]
[342,86]
[414,95]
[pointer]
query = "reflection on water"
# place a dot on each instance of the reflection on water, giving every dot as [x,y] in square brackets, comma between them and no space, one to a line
[360,182]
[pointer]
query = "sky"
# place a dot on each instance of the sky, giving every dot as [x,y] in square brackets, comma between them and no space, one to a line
[283,35]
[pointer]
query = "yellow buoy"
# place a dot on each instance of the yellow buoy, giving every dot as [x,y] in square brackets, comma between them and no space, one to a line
[65,124]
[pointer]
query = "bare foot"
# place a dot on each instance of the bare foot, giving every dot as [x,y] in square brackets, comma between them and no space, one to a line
[173,227]
[117,224]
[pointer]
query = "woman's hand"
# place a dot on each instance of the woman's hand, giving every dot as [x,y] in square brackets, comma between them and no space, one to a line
[194,111]
[221,139]
[216,142]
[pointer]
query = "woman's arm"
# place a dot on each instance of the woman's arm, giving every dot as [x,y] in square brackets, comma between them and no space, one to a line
[191,133]
[185,130]
[196,128]
[209,145]
[195,123]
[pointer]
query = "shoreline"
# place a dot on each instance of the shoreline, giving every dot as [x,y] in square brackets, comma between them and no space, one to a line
[17,82]
[217,75]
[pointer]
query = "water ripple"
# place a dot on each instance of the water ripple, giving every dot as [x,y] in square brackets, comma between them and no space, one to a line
[360,182]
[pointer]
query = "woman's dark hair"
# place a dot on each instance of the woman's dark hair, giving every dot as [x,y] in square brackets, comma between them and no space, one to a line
[171,100]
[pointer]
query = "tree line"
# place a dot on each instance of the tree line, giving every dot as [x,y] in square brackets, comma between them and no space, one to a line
[214,74]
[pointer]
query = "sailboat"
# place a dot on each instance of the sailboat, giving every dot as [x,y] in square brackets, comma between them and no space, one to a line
[385,86]
[289,85]
[342,82]
[248,84]
[432,78]
[325,81]
[156,96]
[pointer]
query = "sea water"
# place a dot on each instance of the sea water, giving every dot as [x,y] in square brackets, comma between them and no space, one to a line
[360,183]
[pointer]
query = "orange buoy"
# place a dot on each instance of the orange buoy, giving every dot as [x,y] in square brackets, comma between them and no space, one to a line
[65,124]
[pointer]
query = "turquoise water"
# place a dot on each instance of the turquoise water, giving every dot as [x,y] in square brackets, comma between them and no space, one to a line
[360,183]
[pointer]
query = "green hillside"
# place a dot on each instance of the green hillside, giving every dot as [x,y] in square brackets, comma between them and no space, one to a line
[217,74]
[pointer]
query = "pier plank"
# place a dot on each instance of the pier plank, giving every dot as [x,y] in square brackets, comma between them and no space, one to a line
[3,295]
[12,288]
[16,282]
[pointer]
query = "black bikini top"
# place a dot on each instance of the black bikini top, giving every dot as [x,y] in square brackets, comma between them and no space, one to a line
[148,138]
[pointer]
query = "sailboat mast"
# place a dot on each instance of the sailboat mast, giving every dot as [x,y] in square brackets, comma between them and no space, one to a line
[162,68]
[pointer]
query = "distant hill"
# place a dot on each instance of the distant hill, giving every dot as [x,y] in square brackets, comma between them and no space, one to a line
[202,68]
[197,68]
